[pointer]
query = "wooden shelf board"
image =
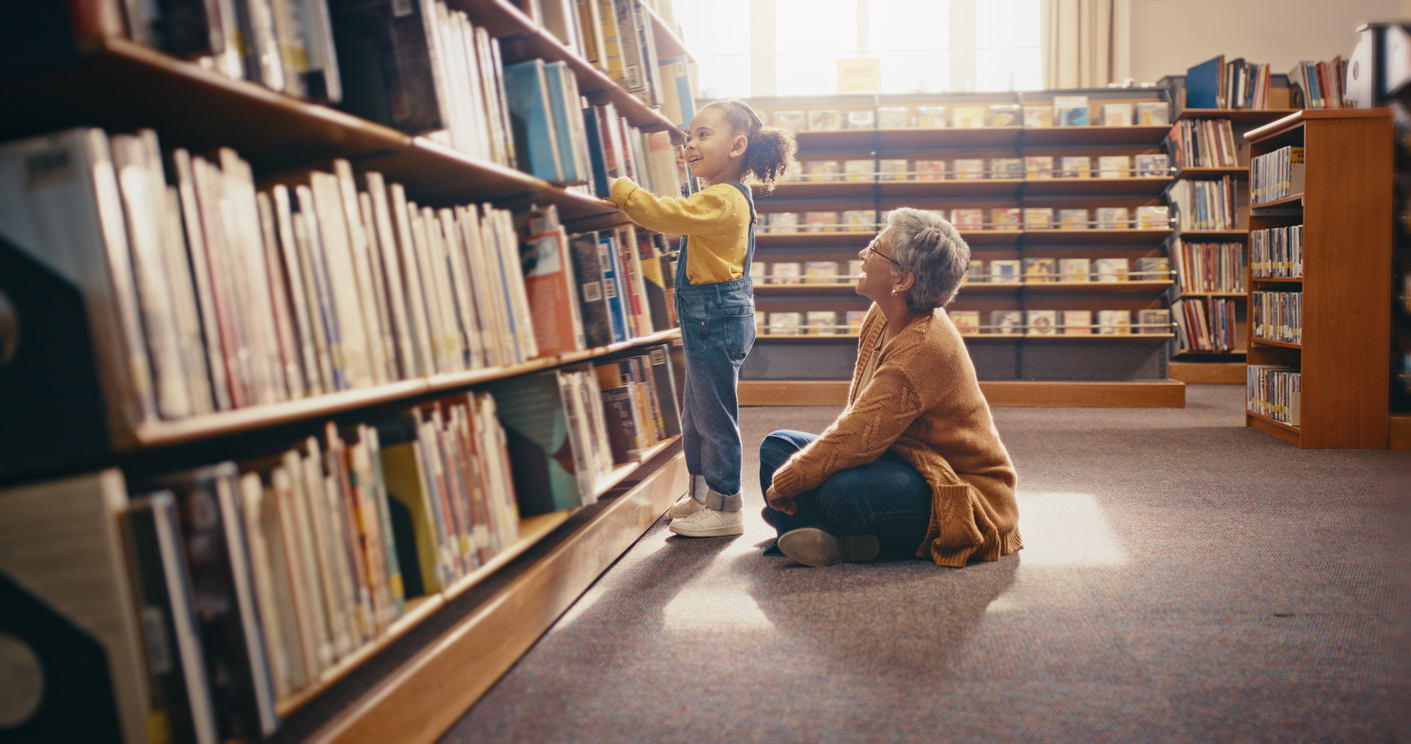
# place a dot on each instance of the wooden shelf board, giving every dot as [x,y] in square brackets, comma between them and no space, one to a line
[1276,279]
[815,190]
[422,699]
[479,376]
[521,39]
[531,531]
[1203,235]
[1230,295]
[857,240]
[793,290]
[1096,135]
[120,85]
[1106,338]
[1272,342]
[999,394]
[1123,288]
[970,289]
[1208,373]
[1074,186]
[1237,116]
[930,139]
[988,188]
[1283,202]
[1290,434]
[1201,174]
[668,44]
[244,419]
[1297,118]
[1105,237]
[417,610]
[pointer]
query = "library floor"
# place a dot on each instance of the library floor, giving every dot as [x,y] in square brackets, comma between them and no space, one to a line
[1184,579]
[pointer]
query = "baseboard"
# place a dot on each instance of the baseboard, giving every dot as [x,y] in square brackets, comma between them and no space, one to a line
[1399,431]
[429,693]
[1000,394]
[1216,373]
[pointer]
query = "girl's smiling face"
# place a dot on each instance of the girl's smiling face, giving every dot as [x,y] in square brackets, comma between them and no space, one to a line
[714,153]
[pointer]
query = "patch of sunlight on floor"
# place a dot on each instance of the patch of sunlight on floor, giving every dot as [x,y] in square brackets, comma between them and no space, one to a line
[715,607]
[1068,530]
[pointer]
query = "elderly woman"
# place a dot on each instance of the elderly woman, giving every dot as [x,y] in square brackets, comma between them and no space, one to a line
[913,466]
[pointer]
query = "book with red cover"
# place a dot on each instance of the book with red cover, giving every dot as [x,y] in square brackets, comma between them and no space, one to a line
[553,299]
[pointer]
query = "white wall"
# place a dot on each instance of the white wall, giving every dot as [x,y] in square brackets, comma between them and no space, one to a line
[1169,36]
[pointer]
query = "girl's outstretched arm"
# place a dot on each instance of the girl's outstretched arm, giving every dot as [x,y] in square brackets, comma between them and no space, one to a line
[703,213]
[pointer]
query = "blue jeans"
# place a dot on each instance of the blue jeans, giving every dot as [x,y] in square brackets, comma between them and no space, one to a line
[717,333]
[886,498]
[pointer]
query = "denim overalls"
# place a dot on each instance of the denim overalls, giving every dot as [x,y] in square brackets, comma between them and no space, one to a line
[717,332]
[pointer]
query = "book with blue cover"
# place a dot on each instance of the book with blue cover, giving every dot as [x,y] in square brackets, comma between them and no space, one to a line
[531,120]
[612,284]
[563,103]
[1203,84]
[597,154]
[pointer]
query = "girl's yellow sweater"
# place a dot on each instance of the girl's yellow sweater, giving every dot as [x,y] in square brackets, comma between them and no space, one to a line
[715,221]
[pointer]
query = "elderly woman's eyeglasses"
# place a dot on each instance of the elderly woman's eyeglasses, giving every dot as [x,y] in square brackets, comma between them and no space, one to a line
[872,248]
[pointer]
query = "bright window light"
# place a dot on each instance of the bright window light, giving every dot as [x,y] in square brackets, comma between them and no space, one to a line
[900,25]
[811,26]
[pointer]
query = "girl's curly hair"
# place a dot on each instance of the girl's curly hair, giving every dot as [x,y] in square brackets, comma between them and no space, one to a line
[770,148]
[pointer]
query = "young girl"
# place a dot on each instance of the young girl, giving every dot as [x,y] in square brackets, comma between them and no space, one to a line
[726,145]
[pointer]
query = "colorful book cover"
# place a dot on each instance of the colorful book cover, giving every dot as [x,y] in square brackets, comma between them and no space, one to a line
[893,169]
[1114,166]
[1006,115]
[969,169]
[653,283]
[822,323]
[1042,323]
[592,300]
[1073,219]
[1077,322]
[1007,322]
[968,219]
[1074,269]
[531,409]
[966,321]
[1004,218]
[1038,117]
[1038,166]
[1070,111]
[1075,166]
[549,283]
[612,285]
[531,120]
[930,170]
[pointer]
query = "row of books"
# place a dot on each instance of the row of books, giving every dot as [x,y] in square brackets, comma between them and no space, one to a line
[1276,175]
[220,591]
[807,272]
[1277,316]
[969,322]
[1203,143]
[1276,252]
[1274,392]
[1323,84]
[1064,111]
[1205,324]
[1217,84]
[1001,218]
[1205,205]
[974,169]
[1209,267]
[207,295]
[285,45]
[1044,270]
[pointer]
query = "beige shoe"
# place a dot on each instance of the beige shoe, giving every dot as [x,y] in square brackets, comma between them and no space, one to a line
[814,547]
[684,508]
[710,523]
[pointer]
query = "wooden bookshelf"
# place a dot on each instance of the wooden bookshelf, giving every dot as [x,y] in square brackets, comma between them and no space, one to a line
[999,394]
[1007,354]
[122,86]
[1347,217]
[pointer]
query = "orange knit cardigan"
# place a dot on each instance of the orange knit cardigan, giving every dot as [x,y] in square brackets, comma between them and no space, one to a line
[924,404]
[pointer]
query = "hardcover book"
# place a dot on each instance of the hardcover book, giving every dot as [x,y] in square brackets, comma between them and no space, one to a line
[1115,114]
[966,321]
[1042,323]
[1006,168]
[1074,269]
[930,170]
[1004,218]
[785,324]
[931,117]
[1110,270]
[1038,218]
[860,119]
[1006,115]
[825,120]
[1007,322]
[542,456]
[969,117]
[969,169]
[1114,322]
[592,300]
[1070,111]
[893,117]
[816,171]
[1153,114]
[1040,270]
[1004,271]
[893,169]
[1038,117]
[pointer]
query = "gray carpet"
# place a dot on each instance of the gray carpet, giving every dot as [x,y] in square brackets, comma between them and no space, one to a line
[1184,579]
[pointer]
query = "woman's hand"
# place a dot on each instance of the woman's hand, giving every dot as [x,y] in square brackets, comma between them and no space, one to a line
[779,503]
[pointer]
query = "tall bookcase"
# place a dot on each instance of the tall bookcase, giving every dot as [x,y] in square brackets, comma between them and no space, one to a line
[415,679]
[1014,368]
[1221,367]
[1345,209]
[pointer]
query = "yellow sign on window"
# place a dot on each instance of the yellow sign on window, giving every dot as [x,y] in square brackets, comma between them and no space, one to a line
[859,75]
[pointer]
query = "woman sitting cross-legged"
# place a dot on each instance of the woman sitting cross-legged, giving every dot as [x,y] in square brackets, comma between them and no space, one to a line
[914,465]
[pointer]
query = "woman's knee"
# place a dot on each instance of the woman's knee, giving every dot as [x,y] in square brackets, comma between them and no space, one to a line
[778,446]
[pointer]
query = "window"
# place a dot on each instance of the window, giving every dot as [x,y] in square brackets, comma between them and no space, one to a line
[791,47]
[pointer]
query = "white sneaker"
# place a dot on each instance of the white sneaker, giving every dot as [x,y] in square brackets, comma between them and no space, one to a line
[708,522]
[684,508]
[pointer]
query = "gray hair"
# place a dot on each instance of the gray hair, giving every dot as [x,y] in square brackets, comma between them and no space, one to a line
[928,246]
